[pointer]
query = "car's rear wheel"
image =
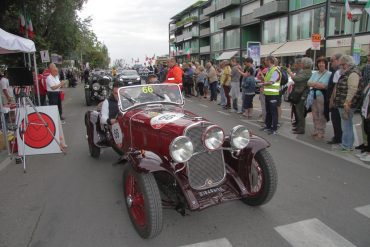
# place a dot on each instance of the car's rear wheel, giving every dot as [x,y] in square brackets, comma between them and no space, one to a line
[143,202]
[261,179]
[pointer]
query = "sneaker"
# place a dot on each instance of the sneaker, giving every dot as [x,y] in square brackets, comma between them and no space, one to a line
[265,129]
[360,155]
[365,158]
[273,132]
[240,112]
[233,110]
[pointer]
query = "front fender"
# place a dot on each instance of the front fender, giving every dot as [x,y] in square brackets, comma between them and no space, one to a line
[147,162]
[256,144]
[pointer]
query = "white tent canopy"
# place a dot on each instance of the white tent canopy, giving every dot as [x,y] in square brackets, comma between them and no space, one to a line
[10,43]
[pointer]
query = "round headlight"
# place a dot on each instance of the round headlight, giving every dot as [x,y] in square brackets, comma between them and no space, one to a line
[181,149]
[239,137]
[138,79]
[96,86]
[213,137]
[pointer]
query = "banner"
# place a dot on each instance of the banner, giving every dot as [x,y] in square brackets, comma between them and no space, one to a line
[57,59]
[37,138]
[254,52]
[45,58]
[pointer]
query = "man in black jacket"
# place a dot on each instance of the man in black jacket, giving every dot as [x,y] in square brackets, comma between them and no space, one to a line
[334,112]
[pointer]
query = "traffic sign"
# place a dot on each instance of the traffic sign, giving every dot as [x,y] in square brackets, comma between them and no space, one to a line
[316,41]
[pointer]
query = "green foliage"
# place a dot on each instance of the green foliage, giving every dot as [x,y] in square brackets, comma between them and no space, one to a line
[57,28]
[186,21]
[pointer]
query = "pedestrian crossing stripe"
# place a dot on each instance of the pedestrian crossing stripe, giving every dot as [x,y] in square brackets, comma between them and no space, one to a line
[312,232]
[365,210]
[222,242]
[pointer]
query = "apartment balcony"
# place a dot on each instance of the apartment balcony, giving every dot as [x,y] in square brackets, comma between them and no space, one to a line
[248,19]
[179,38]
[187,21]
[209,11]
[224,4]
[172,28]
[271,9]
[203,18]
[204,32]
[189,35]
[229,22]
[205,49]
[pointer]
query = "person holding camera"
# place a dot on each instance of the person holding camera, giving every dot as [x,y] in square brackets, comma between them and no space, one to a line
[54,86]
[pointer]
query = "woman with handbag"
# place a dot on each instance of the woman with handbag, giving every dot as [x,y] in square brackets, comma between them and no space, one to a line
[318,83]
[298,95]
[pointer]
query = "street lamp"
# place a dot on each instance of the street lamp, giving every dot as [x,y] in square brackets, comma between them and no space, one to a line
[356,15]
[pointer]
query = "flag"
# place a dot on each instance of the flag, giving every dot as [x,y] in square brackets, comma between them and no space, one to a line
[188,53]
[367,7]
[146,58]
[31,34]
[154,53]
[348,11]
[22,23]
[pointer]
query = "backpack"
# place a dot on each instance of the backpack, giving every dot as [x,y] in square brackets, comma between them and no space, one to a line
[284,80]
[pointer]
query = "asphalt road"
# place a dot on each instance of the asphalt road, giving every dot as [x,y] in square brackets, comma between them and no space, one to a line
[323,197]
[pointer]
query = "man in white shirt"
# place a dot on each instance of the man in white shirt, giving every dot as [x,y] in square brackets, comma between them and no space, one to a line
[54,85]
[7,91]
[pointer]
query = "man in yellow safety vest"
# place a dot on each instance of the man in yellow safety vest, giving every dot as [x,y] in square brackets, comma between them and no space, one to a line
[271,90]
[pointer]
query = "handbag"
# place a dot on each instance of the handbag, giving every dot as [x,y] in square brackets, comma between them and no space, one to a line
[294,97]
[61,95]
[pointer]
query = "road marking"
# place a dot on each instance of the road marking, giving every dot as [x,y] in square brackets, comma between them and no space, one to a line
[5,163]
[365,210]
[293,137]
[205,106]
[312,232]
[224,113]
[222,242]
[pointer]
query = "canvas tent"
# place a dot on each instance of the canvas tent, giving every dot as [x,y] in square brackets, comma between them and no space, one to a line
[10,43]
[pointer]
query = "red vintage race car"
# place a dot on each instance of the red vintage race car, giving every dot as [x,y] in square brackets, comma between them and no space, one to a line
[176,159]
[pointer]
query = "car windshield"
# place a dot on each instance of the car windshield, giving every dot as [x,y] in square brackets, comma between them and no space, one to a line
[130,72]
[154,93]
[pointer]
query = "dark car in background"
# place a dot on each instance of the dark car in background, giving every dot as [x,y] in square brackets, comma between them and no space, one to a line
[129,78]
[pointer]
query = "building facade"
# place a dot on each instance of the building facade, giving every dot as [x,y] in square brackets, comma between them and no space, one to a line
[221,29]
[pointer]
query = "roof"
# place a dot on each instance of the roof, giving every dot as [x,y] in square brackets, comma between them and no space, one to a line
[189,9]
[10,43]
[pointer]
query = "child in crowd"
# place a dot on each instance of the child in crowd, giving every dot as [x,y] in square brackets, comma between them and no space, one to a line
[248,89]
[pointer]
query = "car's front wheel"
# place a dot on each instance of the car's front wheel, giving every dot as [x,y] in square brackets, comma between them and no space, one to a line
[261,179]
[88,98]
[143,202]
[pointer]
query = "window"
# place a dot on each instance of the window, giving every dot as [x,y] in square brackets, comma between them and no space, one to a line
[232,13]
[298,4]
[232,39]
[307,22]
[195,46]
[339,24]
[217,42]
[249,8]
[214,22]
[275,30]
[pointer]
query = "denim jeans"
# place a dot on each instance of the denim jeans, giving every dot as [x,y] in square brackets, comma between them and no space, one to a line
[223,97]
[213,87]
[271,120]
[348,136]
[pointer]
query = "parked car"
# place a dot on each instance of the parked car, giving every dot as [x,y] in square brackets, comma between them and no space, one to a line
[98,88]
[129,77]
[176,159]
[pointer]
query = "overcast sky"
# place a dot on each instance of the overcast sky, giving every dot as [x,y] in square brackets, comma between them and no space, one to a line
[133,28]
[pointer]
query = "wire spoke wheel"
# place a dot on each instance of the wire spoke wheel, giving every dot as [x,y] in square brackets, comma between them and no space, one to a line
[143,202]
[261,180]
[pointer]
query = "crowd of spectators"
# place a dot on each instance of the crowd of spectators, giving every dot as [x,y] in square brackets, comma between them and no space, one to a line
[327,93]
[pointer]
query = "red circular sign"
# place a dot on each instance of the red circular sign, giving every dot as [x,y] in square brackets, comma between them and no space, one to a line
[37,135]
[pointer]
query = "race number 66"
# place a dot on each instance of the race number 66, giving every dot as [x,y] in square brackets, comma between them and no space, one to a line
[147,89]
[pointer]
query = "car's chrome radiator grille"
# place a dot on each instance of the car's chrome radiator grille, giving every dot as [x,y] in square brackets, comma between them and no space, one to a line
[205,169]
